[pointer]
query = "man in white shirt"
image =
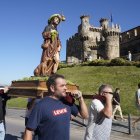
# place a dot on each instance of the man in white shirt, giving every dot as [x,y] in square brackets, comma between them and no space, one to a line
[137,104]
[100,116]
[129,56]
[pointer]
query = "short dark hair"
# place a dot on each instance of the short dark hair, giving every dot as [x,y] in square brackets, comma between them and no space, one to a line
[52,80]
[117,89]
[138,85]
[2,91]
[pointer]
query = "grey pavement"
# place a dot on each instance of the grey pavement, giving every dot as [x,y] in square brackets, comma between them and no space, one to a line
[15,128]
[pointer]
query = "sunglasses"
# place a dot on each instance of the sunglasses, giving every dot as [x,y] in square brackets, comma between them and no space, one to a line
[107,92]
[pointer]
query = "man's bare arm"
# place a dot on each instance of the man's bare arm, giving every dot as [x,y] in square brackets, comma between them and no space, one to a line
[83,108]
[139,101]
[107,111]
[27,134]
[83,112]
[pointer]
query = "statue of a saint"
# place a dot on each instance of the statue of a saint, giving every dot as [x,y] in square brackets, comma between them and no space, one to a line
[51,47]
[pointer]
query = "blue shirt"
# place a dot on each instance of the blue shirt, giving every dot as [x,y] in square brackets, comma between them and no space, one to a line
[52,119]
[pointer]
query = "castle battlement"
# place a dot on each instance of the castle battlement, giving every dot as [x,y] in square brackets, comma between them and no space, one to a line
[130,35]
[94,42]
[111,34]
[84,16]
[95,29]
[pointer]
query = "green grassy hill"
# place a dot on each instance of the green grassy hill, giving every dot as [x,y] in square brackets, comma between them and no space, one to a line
[89,78]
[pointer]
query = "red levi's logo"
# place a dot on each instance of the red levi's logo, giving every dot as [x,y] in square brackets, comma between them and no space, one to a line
[60,111]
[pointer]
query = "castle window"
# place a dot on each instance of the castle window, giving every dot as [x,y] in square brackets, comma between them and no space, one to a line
[135,32]
[120,38]
[128,34]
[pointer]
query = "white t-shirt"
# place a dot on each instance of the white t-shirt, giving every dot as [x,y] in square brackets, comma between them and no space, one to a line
[138,98]
[138,93]
[99,127]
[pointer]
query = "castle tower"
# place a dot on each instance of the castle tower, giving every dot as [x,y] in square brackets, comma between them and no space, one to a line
[83,31]
[84,26]
[104,23]
[112,45]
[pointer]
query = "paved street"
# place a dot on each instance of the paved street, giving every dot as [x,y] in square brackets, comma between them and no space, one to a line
[15,128]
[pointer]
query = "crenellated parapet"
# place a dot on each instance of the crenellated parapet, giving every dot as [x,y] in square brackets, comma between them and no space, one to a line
[130,41]
[91,41]
[110,33]
[95,29]
[130,35]
[104,23]
[84,38]
[73,37]
[94,47]
[84,16]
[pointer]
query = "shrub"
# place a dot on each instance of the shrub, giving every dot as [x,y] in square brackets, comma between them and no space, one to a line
[100,62]
[65,65]
[117,62]
[123,62]
[85,63]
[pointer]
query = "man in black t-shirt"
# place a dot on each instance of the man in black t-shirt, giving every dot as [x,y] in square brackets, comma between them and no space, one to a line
[2,130]
[4,97]
[116,104]
[51,117]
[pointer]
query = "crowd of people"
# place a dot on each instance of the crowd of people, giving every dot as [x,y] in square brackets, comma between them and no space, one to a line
[49,118]
[55,112]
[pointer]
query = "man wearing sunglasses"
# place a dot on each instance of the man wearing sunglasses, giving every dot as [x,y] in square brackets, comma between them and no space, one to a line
[100,115]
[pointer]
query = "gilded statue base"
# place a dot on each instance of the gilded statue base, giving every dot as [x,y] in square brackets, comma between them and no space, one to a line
[33,88]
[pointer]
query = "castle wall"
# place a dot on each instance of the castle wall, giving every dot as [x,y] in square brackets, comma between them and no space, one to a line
[94,36]
[129,35]
[74,49]
[90,44]
[130,41]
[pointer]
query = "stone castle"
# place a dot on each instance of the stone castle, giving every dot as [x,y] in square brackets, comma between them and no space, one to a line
[104,42]
[130,41]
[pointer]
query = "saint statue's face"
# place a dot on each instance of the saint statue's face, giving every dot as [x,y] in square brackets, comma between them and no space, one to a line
[56,20]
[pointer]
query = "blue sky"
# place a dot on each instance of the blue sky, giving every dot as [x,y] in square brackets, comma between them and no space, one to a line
[22,22]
